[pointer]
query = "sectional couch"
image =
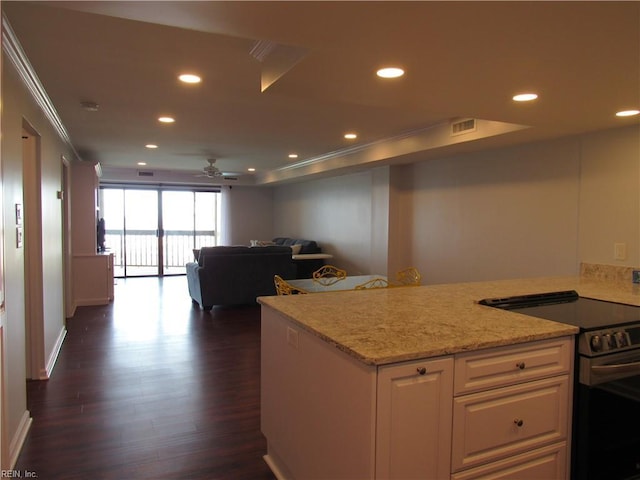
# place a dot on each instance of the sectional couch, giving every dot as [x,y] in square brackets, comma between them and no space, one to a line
[305,246]
[304,266]
[237,275]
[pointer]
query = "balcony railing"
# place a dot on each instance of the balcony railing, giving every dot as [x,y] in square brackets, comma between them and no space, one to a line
[136,252]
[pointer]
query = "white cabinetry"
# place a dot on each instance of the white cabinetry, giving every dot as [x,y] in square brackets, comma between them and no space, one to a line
[543,463]
[93,279]
[317,405]
[414,420]
[496,413]
[92,272]
[515,422]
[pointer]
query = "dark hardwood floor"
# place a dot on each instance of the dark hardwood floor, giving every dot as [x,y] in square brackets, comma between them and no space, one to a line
[151,387]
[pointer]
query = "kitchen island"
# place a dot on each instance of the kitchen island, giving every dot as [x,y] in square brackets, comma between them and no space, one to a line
[419,382]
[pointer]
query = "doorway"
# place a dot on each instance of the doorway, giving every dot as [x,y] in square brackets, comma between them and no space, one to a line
[153,231]
[32,250]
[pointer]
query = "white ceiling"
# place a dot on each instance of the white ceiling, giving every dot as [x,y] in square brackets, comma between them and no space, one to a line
[463,59]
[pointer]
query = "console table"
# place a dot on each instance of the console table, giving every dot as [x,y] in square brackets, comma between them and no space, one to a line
[311,256]
[307,263]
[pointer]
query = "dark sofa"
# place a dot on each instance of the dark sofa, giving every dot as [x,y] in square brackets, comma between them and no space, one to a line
[306,246]
[237,275]
[304,267]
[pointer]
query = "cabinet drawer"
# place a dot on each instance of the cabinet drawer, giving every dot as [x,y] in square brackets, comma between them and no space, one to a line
[502,422]
[546,462]
[509,365]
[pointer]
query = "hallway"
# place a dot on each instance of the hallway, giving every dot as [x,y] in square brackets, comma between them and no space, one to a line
[151,387]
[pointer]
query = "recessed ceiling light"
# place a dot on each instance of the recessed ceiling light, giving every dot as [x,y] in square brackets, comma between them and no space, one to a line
[390,72]
[293,155]
[142,164]
[166,119]
[350,136]
[189,78]
[525,97]
[251,169]
[627,113]
[151,145]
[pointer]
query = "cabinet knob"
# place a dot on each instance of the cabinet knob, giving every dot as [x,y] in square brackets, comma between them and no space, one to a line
[518,422]
[520,365]
[421,370]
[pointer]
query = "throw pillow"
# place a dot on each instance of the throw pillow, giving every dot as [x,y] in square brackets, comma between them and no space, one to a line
[295,249]
[261,243]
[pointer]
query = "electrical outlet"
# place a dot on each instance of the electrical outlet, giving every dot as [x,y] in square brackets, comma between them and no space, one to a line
[620,251]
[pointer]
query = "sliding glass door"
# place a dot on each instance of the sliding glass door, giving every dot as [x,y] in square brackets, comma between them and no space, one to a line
[154,231]
[141,232]
[188,223]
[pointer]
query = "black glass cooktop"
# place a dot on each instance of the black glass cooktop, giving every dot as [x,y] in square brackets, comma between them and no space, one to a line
[568,307]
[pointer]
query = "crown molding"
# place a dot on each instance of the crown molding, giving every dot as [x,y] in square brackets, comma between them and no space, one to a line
[11,46]
[434,138]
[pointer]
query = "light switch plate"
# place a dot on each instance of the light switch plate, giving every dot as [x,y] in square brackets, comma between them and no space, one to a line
[620,251]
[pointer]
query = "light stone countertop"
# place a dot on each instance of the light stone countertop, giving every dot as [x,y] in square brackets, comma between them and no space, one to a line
[389,325]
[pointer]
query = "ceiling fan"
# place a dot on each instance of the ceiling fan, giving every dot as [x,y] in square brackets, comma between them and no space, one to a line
[211,171]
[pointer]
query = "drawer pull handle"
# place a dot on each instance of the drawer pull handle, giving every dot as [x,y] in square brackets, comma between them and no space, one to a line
[421,370]
[518,422]
[520,365]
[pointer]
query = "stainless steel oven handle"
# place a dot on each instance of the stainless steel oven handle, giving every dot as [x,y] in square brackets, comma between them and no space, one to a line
[616,368]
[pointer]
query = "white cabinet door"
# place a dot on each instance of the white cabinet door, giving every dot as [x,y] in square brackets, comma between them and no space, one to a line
[414,416]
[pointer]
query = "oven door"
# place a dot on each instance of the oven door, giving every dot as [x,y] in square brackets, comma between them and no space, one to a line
[607,418]
[609,368]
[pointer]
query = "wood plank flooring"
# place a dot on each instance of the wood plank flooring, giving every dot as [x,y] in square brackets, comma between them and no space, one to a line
[151,387]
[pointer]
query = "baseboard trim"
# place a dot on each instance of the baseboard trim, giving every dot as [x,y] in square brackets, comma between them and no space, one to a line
[17,441]
[273,467]
[71,310]
[89,302]
[55,352]
[275,463]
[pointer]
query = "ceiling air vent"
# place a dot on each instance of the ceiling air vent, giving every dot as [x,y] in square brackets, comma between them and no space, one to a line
[463,126]
[145,174]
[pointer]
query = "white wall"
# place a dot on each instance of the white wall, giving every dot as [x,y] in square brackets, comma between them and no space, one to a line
[336,212]
[532,210]
[15,400]
[52,248]
[499,214]
[247,214]
[503,214]
[401,212]
[19,107]
[610,196]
